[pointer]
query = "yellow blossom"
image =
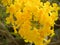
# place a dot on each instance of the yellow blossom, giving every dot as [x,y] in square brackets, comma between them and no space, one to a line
[33,19]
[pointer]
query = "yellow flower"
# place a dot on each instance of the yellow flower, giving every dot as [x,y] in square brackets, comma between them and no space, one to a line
[55,7]
[54,15]
[11,9]
[10,20]
[33,19]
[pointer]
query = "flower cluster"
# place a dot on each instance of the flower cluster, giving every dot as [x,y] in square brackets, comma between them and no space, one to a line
[32,19]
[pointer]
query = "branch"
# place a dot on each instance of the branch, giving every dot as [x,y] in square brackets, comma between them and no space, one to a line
[7,34]
[54,42]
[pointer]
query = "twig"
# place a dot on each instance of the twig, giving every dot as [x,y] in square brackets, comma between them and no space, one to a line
[1,5]
[57,24]
[54,42]
[7,34]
